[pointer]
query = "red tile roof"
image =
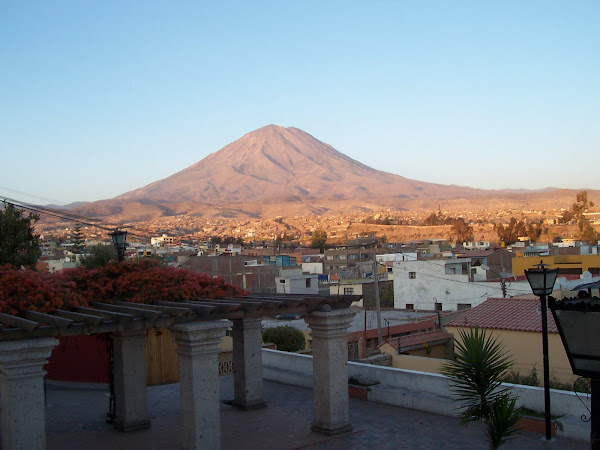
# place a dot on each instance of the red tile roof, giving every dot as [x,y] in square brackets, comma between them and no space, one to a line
[517,314]
[393,330]
[418,339]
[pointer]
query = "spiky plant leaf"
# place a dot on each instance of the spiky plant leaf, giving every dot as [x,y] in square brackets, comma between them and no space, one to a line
[501,425]
[477,370]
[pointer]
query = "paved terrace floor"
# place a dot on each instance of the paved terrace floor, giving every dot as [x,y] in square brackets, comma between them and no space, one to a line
[75,420]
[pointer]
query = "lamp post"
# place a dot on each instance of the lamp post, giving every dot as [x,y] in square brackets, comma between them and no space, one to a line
[578,322]
[118,238]
[542,282]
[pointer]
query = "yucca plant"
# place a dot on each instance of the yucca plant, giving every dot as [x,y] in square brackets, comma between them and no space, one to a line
[501,425]
[480,364]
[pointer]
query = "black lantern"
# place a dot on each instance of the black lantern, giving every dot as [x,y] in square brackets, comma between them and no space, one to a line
[118,238]
[578,322]
[542,282]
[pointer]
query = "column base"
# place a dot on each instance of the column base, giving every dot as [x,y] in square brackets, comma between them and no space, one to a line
[140,425]
[331,431]
[247,406]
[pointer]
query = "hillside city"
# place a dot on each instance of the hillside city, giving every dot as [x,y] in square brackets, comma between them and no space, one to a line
[415,283]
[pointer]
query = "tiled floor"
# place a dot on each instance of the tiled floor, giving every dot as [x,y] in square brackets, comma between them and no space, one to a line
[75,420]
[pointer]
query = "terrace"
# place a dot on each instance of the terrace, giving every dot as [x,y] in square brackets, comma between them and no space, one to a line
[306,397]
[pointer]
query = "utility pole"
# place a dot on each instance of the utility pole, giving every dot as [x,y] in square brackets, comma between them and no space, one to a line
[377,303]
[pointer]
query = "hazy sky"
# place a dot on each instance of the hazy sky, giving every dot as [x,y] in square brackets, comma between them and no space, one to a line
[98,98]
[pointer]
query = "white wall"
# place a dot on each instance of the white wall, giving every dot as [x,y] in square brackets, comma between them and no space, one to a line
[431,282]
[297,285]
[426,391]
[313,267]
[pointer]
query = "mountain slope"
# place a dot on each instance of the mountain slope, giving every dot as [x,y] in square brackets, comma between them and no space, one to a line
[276,163]
[286,171]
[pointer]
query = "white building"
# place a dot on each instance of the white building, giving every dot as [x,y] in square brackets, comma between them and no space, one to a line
[313,267]
[297,284]
[162,240]
[477,245]
[445,285]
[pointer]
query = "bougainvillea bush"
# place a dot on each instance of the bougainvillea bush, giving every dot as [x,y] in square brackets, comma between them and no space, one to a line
[140,282]
[36,291]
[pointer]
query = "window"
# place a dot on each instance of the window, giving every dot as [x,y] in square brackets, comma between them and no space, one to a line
[282,281]
[461,306]
[438,306]
[412,275]
[410,306]
[308,282]
[348,291]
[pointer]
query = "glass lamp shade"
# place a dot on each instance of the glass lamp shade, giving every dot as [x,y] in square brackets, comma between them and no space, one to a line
[541,280]
[118,238]
[580,333]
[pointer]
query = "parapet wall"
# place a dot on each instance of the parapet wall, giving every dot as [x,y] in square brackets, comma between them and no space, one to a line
[427,391]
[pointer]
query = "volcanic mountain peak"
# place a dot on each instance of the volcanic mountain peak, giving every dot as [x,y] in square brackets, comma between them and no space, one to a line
[268,163]
[286,171]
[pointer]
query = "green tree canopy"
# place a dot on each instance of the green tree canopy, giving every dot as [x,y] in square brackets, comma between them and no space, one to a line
[286,338]
[318,240]
[587,233]
[19,244]
[462,231]
[77,240]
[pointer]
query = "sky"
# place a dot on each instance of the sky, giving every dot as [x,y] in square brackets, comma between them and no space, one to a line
[98,98]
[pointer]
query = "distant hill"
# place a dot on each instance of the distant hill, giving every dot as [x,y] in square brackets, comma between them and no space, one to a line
[275,170]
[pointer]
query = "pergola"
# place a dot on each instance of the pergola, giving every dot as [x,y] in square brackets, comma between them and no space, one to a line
[27,341]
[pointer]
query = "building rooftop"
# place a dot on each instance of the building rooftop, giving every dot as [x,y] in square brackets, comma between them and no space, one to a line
[517,314]
[419,339]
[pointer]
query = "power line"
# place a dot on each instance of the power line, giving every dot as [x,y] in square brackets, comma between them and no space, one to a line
[77,218]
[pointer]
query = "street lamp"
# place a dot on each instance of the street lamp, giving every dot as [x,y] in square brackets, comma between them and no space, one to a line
[118,238]
[578,322]
[542,282]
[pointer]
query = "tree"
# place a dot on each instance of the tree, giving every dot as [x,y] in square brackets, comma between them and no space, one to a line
[98,256]
[318,240]
[587,233]
[480,365]
[19,244]
[462,231]
[286,338]
[510,234]
[77,240]
[582,205]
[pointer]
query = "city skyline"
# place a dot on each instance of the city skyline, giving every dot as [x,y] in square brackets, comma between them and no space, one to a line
[101,99]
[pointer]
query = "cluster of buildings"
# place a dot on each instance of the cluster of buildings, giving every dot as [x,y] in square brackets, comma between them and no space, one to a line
[428,278]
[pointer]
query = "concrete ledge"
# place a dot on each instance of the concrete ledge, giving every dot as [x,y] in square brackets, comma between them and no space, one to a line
[428,392]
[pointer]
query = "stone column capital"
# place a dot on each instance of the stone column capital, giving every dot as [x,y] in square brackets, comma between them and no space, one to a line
[25,359]
[248,324]
[22,411]
[330,324]
[199,337]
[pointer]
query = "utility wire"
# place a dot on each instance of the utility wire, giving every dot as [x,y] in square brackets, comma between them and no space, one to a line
[77,218]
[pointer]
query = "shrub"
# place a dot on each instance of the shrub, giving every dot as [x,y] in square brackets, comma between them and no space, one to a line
[287,338]
[143,282]
[481,364]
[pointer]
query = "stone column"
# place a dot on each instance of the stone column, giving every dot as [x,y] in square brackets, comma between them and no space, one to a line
[247,364]
[22,392]
[330,369]
[198,349]
[131,411]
